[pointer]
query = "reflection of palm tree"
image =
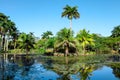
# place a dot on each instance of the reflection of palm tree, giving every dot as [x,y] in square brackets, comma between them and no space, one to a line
[67,67]
[27,60]
[85,71]
[62,67]
[7,70]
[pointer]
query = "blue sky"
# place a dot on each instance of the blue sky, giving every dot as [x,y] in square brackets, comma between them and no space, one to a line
[38,16]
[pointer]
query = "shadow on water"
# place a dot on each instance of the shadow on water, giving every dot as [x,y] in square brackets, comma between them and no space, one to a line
[9,66]
[31,67]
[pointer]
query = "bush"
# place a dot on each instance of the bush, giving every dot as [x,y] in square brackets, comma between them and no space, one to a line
[17,51]
[106,51]
[49,51]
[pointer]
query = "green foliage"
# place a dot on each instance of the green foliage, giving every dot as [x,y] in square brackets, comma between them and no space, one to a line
[16,51]
[116,31]
[26,41]
[64,34]
[85,38]
[70,13]
[102,44]
[43,44]
[41,50]
[50,42]
[7,28]
[46,35]
[65,40]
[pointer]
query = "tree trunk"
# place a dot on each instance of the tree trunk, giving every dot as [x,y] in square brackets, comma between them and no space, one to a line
[66,60]
[27,50]
[71,24]
[66,51]
[14,44]
[84,50]
[1,43]
[4,42]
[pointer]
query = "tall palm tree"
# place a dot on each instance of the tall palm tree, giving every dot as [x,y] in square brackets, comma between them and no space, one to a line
[14,33]
[70,13]
[65,40]
[3,28]
[6,26]
[85,39]
[27,41]
[8,30]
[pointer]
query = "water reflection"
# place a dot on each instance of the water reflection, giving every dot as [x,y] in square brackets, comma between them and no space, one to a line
[116,69]
[54,68]
[75,69]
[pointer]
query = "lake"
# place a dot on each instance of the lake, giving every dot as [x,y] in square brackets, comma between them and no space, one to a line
[90,67]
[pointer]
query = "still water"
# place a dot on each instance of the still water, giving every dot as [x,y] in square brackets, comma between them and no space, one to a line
[60,68]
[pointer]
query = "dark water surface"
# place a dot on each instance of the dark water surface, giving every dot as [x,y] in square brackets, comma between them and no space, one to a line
[95,67]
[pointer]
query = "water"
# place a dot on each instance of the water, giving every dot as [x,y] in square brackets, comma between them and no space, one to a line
[61,68]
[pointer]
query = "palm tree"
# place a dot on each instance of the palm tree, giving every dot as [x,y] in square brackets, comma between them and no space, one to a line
[14,33]
[6,26]
[5,33]
[3,28]
[10,28]
[27,41]
[65,40]
[70,13]
[46,35]
[84,39]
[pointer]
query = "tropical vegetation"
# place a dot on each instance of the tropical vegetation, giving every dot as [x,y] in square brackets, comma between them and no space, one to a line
[65,42]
